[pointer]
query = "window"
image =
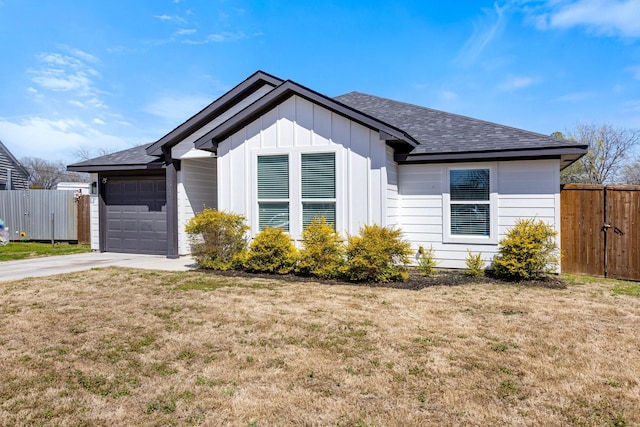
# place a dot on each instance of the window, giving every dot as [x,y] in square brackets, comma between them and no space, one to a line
[318,171]
[470,202]
[273,192]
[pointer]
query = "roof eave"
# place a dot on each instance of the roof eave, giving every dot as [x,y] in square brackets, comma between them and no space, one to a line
[569,154]
[194,123]
[104,168]
[211,139]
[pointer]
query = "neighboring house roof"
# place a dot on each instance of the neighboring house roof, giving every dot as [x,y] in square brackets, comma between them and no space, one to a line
[19,175]
[447,136]
[135,158]
[235,95]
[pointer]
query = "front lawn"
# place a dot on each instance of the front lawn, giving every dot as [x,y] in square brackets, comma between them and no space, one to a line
[132,347]
[22,250]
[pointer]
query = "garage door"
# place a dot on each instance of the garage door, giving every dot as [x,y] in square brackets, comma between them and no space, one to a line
[136,215]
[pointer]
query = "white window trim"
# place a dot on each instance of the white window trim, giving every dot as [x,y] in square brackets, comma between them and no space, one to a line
[447,237]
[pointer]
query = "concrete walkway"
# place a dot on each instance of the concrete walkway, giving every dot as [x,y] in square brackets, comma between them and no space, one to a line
[46,266]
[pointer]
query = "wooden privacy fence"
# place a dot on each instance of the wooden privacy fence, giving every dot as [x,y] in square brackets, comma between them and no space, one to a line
[29,213]
[600,230]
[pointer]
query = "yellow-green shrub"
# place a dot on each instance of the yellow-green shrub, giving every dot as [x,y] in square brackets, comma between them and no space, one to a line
[528,251]
[323,252]
[378,254]
[217,238]
[475,264]
[426,260]
[271,251]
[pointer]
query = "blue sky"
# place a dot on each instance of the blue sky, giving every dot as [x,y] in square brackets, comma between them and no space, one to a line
[107,75]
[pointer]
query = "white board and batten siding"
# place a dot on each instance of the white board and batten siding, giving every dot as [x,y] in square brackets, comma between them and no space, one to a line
[197,179]
[298,126]
[525,189]
[197,190]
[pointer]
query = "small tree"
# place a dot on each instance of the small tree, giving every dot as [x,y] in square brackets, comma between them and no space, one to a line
[528,251]
[323,252]
[378,254]
[217,238]
[271,251]
[475,264]
[426,260]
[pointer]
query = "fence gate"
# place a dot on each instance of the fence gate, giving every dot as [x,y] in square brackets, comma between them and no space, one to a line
[600,233]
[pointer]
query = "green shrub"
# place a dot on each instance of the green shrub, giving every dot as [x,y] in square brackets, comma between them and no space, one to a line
[323,252]
[426,261]
[528,251]
[271,251]
[217,238]
[379,254]
[475,264]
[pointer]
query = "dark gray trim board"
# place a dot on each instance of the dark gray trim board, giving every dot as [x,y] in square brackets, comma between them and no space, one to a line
[153,166]
[566,153]
[172,208]
[226,101]
[211,139]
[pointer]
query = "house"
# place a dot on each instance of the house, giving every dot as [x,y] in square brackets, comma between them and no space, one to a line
[13,176]
[280,153]
[75,186]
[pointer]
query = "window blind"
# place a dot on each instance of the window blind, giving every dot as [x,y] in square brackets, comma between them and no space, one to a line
[470,219]
[312,210]
[273,215]
[469,184]
[318,175]
[273,177]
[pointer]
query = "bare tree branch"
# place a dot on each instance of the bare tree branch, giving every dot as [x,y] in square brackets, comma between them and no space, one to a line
[609,151]
[45,174]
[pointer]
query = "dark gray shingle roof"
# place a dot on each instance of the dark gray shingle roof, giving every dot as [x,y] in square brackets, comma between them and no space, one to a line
[441,132]
[129,159]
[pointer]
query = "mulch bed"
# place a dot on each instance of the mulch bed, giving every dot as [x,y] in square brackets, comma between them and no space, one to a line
[416,280]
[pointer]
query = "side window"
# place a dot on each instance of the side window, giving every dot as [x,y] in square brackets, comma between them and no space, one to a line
[318,171]
[273,192]
[470,202]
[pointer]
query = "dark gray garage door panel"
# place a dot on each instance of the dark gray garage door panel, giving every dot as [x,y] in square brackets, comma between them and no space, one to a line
[136,215]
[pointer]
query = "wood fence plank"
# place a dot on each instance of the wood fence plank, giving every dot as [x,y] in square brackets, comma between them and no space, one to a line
[582,214]
[623,238]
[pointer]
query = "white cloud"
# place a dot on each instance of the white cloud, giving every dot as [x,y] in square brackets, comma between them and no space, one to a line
[166,18]
[575,97]
[54,139]
[185,32]
[176,109]
[516,82]
[98,121]
[218,38]
[59,81]
[448,95]
[605,17]
[635,70]
[485,30]
[67,73]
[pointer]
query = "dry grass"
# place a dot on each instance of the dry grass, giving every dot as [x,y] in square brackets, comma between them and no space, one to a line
[130,347]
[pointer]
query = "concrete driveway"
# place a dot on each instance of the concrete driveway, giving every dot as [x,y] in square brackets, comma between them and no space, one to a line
[46,266]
